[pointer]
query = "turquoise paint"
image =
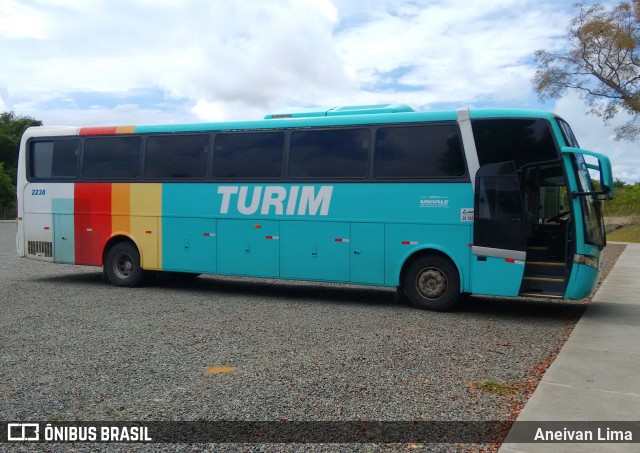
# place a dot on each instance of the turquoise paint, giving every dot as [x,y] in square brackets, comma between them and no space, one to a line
[360,202]
[189,244]
[309,250]
[450,239]
[189,200]
[376,218]
[341,120]
[496,276]
[335,111]
[582,281]
[63,231]
[189,230]
[511,113]
[248,247]
[427,213]
[367,253]
[338,119]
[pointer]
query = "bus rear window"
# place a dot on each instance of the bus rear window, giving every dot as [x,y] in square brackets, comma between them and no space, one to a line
[329,153]
[54,159]
[111,158]
[176,156]
[431,151]
[248,155]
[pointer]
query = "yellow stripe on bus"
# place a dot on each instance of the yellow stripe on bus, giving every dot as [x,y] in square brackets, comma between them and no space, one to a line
[146,225]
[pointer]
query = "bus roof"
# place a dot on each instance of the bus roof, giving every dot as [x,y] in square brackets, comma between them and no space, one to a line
[315,117]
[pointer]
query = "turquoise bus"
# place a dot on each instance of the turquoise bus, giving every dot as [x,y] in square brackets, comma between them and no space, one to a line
[436,204]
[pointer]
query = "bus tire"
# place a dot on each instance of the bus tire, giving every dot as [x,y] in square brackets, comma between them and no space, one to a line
[122,264]
[432,282]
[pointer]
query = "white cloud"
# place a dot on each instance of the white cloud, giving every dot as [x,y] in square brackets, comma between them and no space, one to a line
[223,59]
[459,51]
[119,115]
[4,96]
[19,21]
[244,52]
[286,52]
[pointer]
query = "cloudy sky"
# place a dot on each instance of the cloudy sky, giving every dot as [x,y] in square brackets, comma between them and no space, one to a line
[105,62]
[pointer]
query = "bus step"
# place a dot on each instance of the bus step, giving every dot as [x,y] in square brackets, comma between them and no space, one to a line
[545,268]
[533,294]
[544,278]
[543,285]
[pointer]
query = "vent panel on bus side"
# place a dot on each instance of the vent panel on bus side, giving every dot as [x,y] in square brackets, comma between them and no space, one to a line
[40,248]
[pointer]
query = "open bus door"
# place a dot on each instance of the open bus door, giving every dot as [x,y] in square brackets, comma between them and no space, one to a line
[499,231]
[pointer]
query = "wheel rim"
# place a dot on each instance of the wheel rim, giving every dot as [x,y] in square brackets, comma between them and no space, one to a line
[122,265]
[431,283]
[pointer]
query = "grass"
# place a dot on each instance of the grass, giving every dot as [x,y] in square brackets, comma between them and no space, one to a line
[495,387]
[630,233]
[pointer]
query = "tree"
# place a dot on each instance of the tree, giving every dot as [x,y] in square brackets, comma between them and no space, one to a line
[7,194]
[11,129]
[602,63]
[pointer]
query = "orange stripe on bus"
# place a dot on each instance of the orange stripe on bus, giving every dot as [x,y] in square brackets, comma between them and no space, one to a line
[125,129]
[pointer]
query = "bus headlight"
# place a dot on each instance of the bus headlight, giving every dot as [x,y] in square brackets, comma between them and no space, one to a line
[586,259]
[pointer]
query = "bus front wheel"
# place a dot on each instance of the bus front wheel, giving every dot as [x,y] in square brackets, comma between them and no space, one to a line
[122,264]
[432,282]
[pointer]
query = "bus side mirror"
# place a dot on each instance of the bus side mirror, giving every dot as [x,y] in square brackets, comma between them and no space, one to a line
[603,167]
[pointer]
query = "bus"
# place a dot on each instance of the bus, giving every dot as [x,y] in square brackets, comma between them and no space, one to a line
[442,204]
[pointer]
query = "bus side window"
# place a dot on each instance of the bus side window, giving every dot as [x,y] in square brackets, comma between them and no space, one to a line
[54,159]
[248,155]
[329,153]
[176,156]
[111,158]
[431,151]
[520,140]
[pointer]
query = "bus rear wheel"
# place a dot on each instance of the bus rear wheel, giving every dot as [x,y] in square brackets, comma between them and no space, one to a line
[122,264]
[432,282]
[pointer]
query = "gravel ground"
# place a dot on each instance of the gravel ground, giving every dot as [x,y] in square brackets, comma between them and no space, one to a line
[75,348]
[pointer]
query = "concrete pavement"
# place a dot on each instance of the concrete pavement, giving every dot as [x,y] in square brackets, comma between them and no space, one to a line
[596,375]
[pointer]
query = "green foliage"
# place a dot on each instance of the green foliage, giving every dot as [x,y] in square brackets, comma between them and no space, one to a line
[7,194]
[629,233]
[495,387]
[618,184]
[11,129]
[602,63]
[625,203]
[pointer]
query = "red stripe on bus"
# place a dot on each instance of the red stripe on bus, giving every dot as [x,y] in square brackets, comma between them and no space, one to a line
[92,221]
[108,130]
[406,242]
[510,260]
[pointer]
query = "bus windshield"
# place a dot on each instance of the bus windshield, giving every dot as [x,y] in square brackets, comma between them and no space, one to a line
[591,210]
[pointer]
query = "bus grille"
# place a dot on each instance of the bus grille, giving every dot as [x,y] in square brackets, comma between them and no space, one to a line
[39,248]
